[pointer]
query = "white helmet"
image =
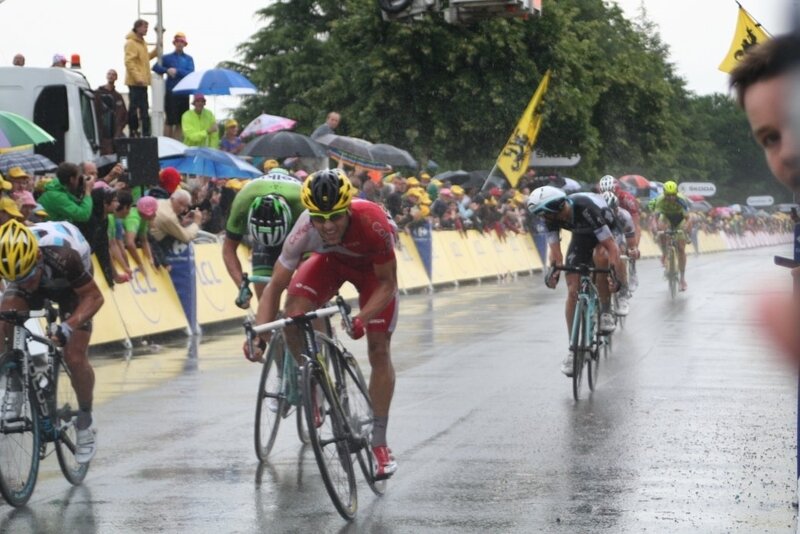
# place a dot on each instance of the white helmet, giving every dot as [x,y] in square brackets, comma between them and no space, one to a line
[611,200]
[546,198]
[607,183]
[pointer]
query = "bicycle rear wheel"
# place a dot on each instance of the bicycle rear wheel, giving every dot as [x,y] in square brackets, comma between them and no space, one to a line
[64,421]
[329,440]
[577,347]
[271,403]
[357,407]
[19,439]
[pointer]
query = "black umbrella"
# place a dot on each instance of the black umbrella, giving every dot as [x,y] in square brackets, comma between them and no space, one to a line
[391,155]
[454,177]
[284,144]
[30,163]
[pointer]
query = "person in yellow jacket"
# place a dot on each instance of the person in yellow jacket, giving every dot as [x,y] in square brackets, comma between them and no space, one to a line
[199,125]
[137,78]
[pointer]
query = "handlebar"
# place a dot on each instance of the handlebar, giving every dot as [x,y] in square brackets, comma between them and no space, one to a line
[18,317]
[341,307]
[583,269]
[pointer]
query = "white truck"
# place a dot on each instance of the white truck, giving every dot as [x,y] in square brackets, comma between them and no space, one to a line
[59,100]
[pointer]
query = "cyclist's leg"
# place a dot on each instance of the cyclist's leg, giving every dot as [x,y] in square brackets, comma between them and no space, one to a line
[662,224]
[579,252]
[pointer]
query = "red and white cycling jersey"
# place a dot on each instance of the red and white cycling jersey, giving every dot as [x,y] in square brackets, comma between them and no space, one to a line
[369,239]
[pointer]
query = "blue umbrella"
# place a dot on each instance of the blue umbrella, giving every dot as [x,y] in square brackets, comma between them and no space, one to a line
[215,82]
[211,162]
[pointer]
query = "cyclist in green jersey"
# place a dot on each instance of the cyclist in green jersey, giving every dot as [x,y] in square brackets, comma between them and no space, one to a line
[266,209]
[672,210]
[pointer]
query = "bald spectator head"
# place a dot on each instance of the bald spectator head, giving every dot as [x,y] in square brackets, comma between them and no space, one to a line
[180,200]
[19,60]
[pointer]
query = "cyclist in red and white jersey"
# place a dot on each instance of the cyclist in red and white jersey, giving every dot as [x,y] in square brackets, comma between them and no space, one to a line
[351,241]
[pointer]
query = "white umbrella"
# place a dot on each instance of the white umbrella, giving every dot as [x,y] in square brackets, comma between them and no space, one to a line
[169,147]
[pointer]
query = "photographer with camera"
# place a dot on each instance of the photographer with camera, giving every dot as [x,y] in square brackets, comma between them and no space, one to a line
[69,198]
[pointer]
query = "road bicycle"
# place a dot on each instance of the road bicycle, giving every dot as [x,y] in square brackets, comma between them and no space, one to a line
[336,404]
[671,262]
[46,410]
[278,389]
[586,341]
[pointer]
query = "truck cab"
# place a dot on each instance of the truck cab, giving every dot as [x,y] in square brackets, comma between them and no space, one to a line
[60,101]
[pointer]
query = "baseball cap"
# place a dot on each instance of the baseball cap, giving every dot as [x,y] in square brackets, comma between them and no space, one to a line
[231,122]
[17,172]
[147,206]
[24,198]
[270,164]
[180,36]
[4,185]
[59,58]
[199,97]
[9,206]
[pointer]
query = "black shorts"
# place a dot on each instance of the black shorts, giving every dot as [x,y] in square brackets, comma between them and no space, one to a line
[67,302]
[264,259]
[174,107]
[581,249]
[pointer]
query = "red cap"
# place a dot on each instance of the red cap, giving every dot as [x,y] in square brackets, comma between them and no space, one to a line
[170,179]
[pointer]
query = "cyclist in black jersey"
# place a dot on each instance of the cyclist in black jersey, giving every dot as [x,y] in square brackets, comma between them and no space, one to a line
[588,218]
[52,261]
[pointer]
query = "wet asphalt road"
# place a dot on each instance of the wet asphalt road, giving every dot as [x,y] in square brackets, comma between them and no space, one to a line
[691,428]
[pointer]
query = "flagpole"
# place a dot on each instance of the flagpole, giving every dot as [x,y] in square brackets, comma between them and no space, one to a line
[754,19]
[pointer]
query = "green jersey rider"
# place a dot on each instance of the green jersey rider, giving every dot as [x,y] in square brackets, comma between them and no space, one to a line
[672,210]
[266,209]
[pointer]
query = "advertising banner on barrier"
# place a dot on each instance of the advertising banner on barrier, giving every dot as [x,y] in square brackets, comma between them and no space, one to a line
[107,324]
[180,258]
[216,291]
[411,272]
[421,233]
[148,303]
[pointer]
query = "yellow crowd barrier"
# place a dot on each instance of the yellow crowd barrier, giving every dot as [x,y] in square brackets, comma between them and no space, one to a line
[149,304]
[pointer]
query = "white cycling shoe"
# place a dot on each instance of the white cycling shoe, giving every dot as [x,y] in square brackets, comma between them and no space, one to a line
[623,307]
[86,444]
[607,323]
[566,365]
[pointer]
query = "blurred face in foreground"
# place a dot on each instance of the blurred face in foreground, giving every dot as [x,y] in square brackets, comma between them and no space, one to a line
[767,106]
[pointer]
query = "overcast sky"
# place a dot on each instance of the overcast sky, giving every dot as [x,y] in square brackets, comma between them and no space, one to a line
[698,32]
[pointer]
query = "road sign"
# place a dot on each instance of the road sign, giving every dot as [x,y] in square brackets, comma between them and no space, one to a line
[706,189]
[760,201]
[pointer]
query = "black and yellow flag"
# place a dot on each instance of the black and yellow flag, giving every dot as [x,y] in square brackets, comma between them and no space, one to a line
[748,33]
[513,159]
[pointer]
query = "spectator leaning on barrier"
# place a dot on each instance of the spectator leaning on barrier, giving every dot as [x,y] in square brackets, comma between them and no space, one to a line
[69,197]
[135,222]
[174,221]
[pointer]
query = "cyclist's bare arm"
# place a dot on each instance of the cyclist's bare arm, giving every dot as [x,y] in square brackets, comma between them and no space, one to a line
[270,301]
[386,273]
[90,300]
[231,260]
[555,256]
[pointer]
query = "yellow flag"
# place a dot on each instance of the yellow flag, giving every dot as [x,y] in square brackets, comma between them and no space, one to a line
[748,33]
[513,159]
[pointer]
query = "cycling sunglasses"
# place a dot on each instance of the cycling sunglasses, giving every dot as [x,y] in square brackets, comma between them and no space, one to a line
[333,216]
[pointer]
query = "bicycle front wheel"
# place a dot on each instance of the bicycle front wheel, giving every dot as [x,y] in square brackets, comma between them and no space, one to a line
[329,440]
[577,347]
[592,352]
[672,264]
[357,407]
[65,418]
[271,403]
[19,438]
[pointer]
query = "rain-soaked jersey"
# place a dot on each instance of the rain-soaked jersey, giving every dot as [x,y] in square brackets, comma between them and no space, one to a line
[590,215]
[66,257]
[368,241]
